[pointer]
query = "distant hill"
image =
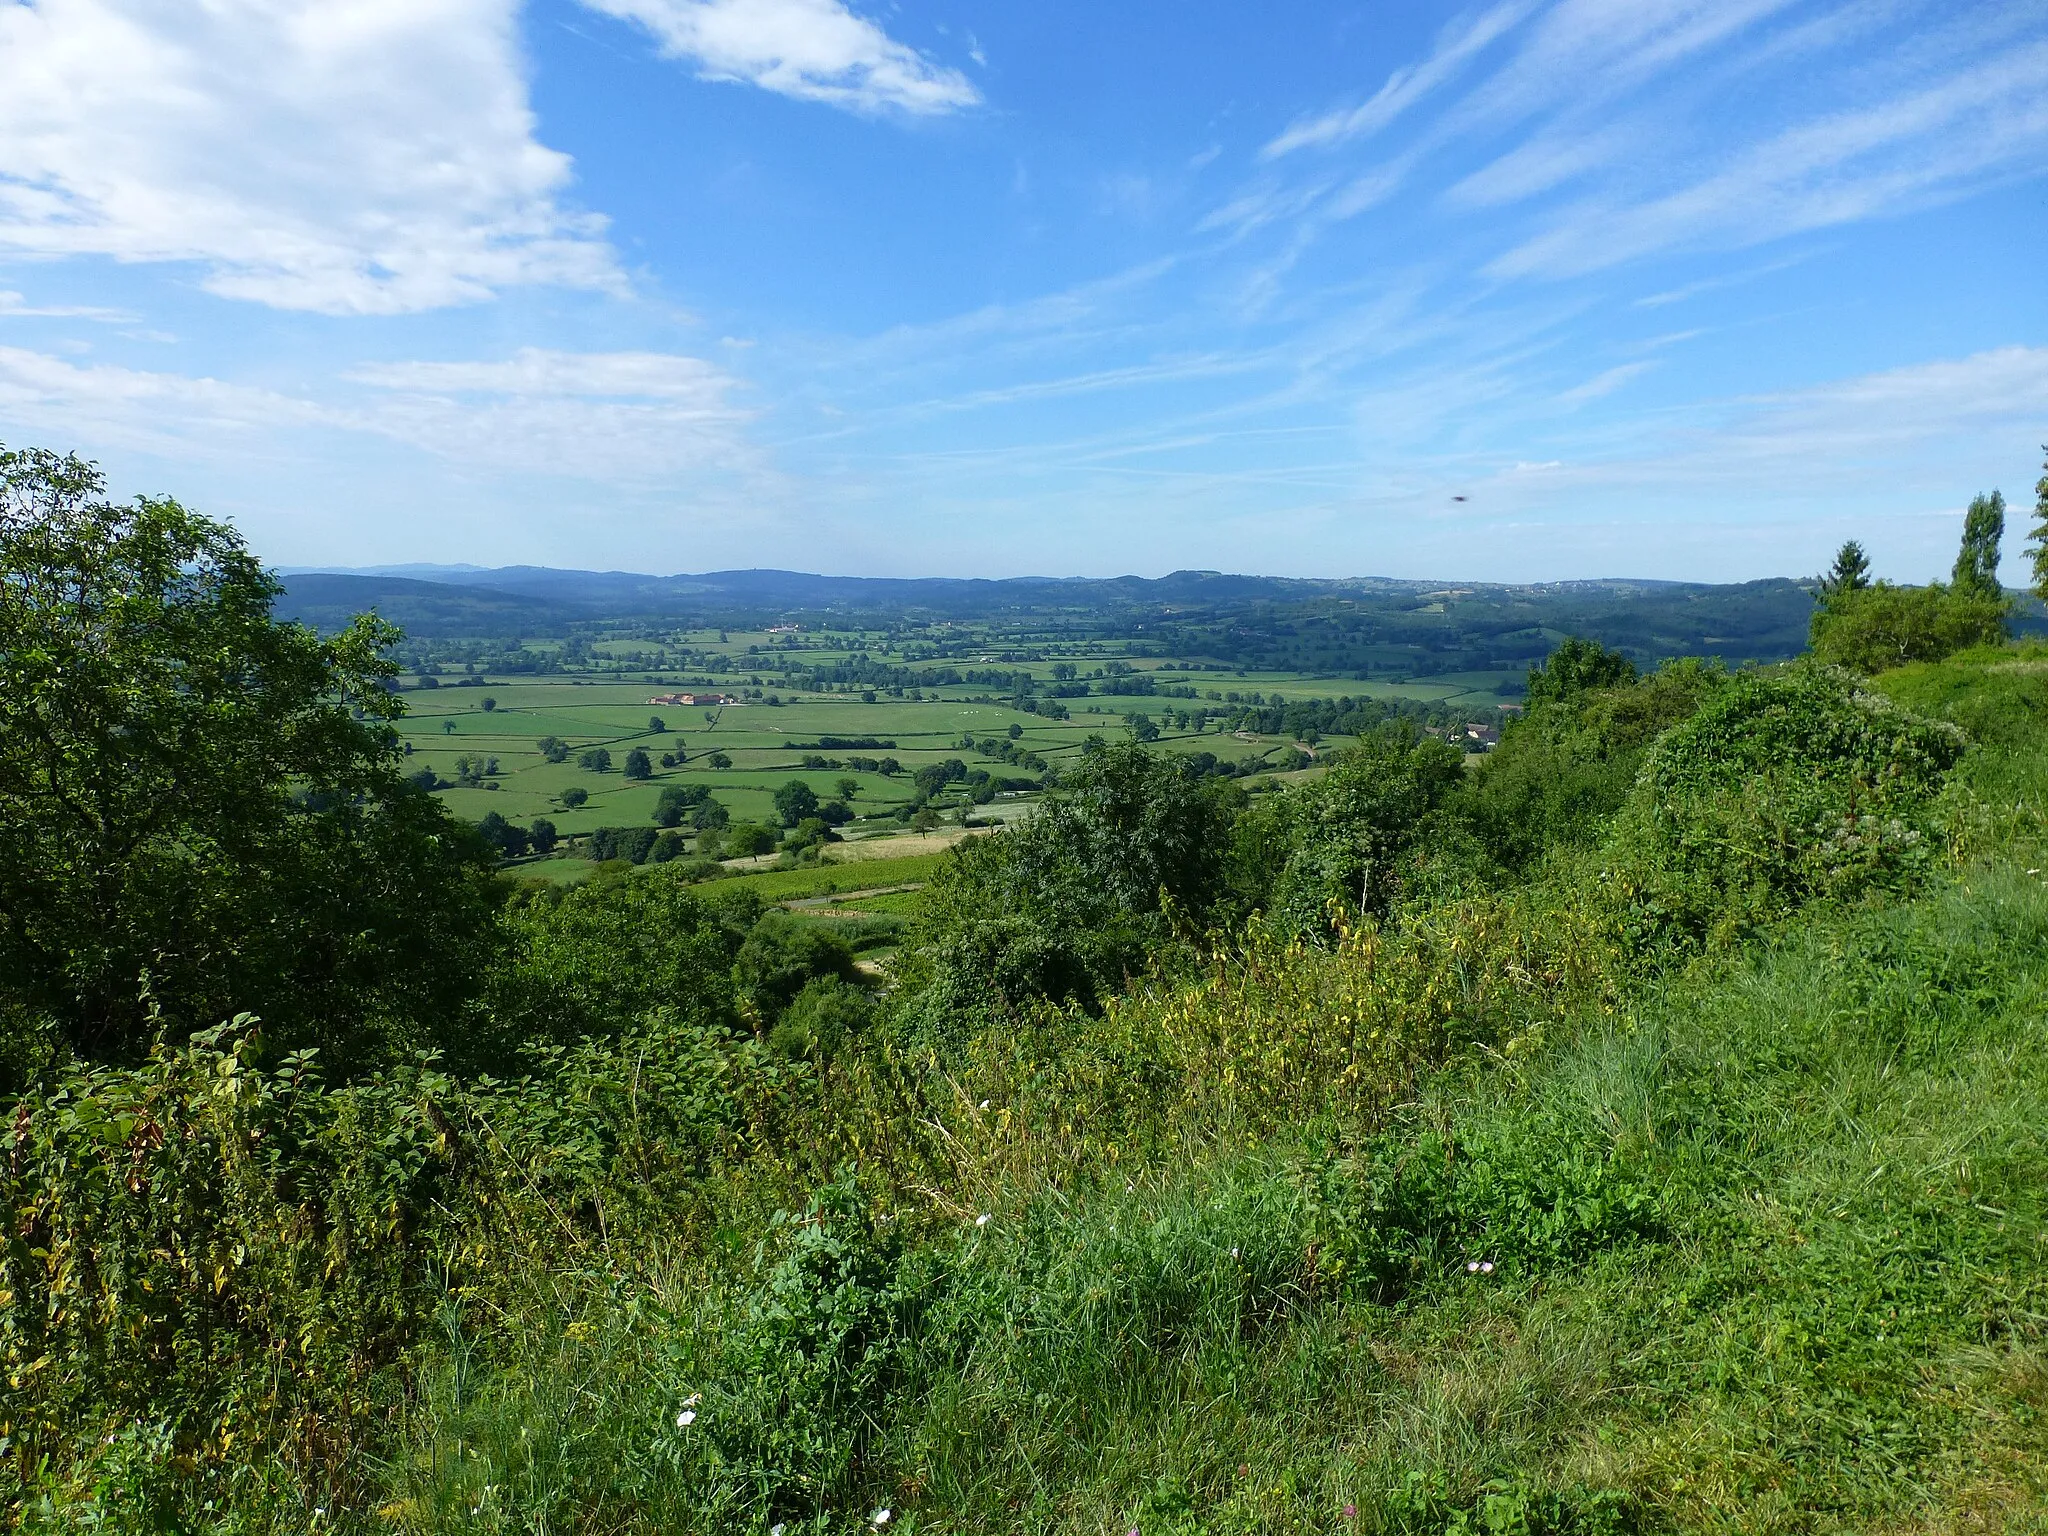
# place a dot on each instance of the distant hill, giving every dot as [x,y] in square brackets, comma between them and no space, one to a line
[328,600]
[765,593]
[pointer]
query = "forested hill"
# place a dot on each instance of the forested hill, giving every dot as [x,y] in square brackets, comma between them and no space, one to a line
[1345,625]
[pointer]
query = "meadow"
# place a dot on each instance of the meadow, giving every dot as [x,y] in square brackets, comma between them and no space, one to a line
[768,733]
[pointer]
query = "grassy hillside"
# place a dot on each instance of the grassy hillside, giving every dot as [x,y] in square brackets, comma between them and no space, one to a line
[1536,1204]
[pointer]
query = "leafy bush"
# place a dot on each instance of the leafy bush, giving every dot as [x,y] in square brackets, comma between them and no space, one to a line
[210,1265]
[1872,629]
[1783,788]
[1565,768]
[1347,836]
[783,955]
[804,1381]
[1069,903]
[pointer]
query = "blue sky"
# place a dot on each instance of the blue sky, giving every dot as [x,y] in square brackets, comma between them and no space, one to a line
[1676,288]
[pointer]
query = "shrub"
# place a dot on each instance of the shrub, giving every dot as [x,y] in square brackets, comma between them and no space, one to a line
[783,955]
[1871,629]
[1786,787]
[803,1384]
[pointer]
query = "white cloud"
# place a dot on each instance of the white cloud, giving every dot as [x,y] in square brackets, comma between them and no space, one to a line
[1455,49]
[126,407]
[344,156]
[13,304]
[816,50]
[1852,165]
[608,418]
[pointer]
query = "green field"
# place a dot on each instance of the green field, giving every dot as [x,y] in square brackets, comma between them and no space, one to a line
[762,737]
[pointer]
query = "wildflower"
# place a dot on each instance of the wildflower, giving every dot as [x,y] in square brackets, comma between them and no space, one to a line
[984,1103]
[1233,1253]
[1472,1268]
[686,1418]
[1350,1511]
[693,1399]
[1486,1268]
[883,1516]
[777,1529]
[981,1220]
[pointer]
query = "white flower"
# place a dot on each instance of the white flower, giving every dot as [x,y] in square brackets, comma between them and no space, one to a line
[1472,1268]
[693,1399]
[686,1418]
[777,1529]
[981,1220]
[984,1102]
[1486,1268]
[1233,1253]
[882,1516]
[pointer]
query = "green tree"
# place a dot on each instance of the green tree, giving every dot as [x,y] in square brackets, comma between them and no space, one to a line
[720,760]
[202,810]
[1849,573]
[597,958]
[1886,626]
[656,726]
[1067,904]
[489,704]
[595,759]
[1576,666]
[1976,572]
[542,835]
[2037,546]
[747,839]
[637,765]
[1354,831]
[847,788]
[509,840]
[574,797]
[795,801]
[553,748]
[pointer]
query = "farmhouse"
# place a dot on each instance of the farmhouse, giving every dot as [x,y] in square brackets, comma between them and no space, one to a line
[692,698]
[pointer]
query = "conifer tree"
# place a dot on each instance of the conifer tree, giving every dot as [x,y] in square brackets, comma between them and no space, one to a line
[1849,573]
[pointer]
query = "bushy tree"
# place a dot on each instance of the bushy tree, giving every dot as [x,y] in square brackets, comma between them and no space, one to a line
[1565,767]
[794,801]
[782,956]
[1976,572]
[595,760]
[201,809]
[637,765]
[553,748]
[1577,666]
[1782,788]
[2037,545]
[595,959]
[1066,904]
[542,835]
[1884,626]
[1350,833]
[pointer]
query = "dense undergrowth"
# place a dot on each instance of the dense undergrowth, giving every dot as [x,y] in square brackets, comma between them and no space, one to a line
[1640,1134]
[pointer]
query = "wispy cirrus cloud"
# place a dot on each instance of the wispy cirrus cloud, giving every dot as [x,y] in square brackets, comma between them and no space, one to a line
[1985,119]
[1456,49]
[815,50]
